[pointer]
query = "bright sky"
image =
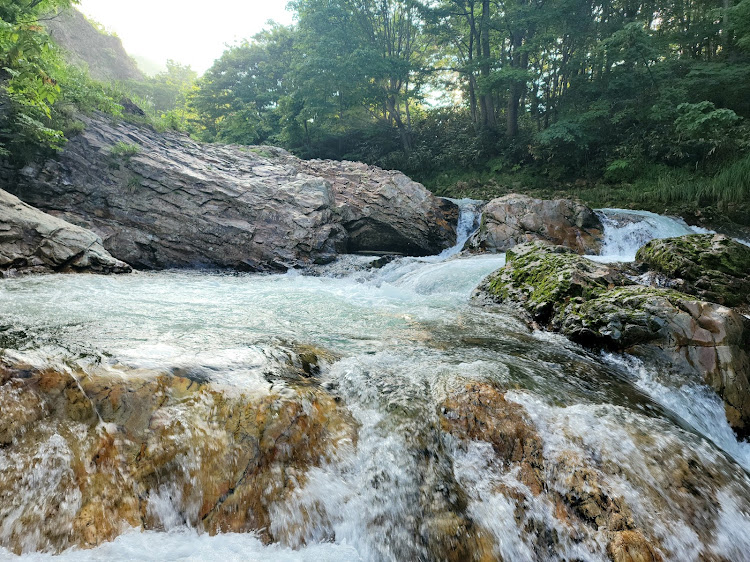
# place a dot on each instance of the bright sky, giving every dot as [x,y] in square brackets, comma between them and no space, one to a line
[191,32]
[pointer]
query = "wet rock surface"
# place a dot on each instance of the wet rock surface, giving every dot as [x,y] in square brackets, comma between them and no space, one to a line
[163,200]
[710,266]
[598,305]
[86,457]
[573,490]
[514,219]
[34,242]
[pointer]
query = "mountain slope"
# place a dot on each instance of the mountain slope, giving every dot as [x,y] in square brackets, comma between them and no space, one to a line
[85,45]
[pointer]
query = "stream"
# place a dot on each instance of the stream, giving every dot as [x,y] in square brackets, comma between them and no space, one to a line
[408,336]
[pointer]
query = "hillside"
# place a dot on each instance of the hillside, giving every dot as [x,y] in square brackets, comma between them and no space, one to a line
[85,45]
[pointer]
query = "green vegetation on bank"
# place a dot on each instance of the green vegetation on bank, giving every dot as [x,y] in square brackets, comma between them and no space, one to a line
[641,104]
[41,93]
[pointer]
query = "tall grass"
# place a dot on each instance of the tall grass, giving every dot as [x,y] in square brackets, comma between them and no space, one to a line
[732,184]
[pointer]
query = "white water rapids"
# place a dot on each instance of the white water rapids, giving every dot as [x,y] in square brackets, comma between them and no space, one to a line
[407,334]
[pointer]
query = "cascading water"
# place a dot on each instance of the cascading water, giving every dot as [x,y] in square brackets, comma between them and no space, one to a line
[626,231]
[410,486]
[470,212]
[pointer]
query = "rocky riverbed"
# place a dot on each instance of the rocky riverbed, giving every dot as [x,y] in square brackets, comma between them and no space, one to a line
[365,408]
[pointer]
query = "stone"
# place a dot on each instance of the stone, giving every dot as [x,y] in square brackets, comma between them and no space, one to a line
[598,306]
[514,219]
[672,329]
[86,457]
[161,200]
[543,277]
[34,242]
[480,412]
[710,266]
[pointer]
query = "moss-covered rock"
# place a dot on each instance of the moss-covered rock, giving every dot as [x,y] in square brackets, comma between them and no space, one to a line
[675,330]
[711,266]
[597,305]
[544,278]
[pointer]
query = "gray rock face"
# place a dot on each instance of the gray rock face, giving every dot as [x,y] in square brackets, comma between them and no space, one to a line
[515,219]
[34,242]
[163,200]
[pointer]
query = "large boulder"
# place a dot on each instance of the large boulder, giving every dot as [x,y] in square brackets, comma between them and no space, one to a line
[599,306]
[543,278]
[161,200]
[711,266]
[515,219]
[376,208]
[672,329]
[34,242]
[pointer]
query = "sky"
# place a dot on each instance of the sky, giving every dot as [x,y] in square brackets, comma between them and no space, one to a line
[190,32]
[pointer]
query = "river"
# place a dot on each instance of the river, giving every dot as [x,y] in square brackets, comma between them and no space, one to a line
[407,335]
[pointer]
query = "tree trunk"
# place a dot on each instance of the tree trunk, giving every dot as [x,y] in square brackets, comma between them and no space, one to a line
[487,104]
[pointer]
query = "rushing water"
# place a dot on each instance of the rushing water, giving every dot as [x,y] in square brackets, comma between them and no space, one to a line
[626,231]
[408,335]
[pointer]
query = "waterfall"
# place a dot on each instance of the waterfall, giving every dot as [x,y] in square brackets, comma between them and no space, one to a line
[626,231]
[470,212]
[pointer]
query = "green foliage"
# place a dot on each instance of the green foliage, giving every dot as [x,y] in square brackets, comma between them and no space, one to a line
[164,97]
[124,150]
[621,170]
[731,184]
[39,92]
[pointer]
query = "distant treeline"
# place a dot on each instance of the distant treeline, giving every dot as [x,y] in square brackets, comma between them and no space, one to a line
[575,88]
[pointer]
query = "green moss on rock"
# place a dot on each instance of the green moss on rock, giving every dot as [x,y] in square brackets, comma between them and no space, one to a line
[598,306]
[543,278]
[711,266]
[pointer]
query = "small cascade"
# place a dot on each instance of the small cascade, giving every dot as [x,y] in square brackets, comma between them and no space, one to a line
[470,213]
[626,231]
[394,446]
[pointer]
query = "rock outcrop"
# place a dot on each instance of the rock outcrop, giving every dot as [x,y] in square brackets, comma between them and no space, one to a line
[711,266]
[85,457]
[34,242]
[599,306]
[163,200]
[515,219]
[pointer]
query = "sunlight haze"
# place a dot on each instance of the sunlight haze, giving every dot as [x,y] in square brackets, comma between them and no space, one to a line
[183,31]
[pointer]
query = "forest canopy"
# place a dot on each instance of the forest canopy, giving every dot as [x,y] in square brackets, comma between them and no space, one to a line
[574,88]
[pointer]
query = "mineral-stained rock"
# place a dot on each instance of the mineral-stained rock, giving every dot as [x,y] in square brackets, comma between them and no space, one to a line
[597,305]
[711,266]
[85,457]
[515,219]
[32,242]
[480,412]
[161,200]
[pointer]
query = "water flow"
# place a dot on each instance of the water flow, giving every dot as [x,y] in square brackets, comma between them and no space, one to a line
[626,231]
[409,339]
[470,211]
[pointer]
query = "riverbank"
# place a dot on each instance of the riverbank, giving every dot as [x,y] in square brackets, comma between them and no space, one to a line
[666,192]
